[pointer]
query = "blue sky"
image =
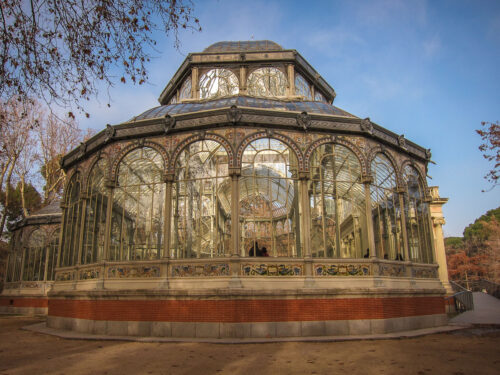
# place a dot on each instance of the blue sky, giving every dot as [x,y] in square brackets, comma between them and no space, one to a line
[427,69]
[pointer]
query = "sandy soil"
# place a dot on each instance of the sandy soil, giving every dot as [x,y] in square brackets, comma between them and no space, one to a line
[464,352]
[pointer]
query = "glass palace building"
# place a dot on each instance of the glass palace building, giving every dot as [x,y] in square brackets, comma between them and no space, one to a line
[245,205]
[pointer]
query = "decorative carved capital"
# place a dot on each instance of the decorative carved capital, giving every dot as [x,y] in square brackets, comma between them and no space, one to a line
[234,171]
[366,179]
[234,114]
[269,133]
[201,134]
[303,175]
[168,177]
[366,125]
[140,142]
[109,132]
[304,120]
[438,221]
[168,123]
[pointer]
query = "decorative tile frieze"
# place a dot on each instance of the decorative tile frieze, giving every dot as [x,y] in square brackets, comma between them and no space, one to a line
[198,270]
[395,270]
[125,272]
[89,273]
[347,269]
[424,272]
[65,276]
[31,284]
[252,269]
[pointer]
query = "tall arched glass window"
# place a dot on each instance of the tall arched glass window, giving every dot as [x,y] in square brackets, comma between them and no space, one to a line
[201,202]
[53,248]
[386,211]
[337,202]
[95,214]
[71,225]
[217,83]
[267,82]
[34,258]
[138,203]
[417,217]
[302,88]
[269,201]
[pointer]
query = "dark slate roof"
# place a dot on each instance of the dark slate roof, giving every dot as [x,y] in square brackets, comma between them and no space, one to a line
[243,101]
[244,46]
[52,209]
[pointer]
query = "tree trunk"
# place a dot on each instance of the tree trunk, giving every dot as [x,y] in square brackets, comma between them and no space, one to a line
[23,198]
[6,202]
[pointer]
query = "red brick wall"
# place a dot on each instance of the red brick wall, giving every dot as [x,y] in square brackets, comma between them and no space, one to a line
[238,311]
[23,302]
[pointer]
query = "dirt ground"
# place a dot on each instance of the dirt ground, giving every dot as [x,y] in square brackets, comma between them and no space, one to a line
[473,351]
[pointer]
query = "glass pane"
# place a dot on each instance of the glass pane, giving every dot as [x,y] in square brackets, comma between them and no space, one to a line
[71,225]
[201,202]
[386,211]
[138,203]
[337,202]
[185,91]
[217,83]
[95,214]
[302,88]
[267,82]
[319,97]
[269,204]
[417,222]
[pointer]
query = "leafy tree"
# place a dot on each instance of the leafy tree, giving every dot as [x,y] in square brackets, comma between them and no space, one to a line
[58,49]
[490,135]
[15,209]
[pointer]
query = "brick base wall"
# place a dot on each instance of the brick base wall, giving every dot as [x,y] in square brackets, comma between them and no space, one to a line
[242,311]
[33,302]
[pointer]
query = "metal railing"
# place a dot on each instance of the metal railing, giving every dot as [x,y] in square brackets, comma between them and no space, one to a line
[462,298]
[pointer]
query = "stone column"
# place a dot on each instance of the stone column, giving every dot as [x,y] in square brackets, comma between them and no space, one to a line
[243,80]
[436,211]
[406,254]
[235,281]
[305,228]
[83,202]
[235,173]
[367,180]
[195,89]
[169,178]
[291,79]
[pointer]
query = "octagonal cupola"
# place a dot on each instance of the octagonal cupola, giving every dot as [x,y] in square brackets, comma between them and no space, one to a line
[252,68]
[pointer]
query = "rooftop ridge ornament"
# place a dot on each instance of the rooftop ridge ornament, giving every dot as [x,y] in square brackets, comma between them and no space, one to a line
[366,125]
[109,133]
[402,141]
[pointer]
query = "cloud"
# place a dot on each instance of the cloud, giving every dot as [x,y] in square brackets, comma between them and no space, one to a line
[431,46]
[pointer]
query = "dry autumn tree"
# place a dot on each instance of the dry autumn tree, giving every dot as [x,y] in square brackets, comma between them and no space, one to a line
[490,135]
[59,50]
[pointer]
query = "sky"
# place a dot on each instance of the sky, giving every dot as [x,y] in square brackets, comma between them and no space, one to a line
[427,69]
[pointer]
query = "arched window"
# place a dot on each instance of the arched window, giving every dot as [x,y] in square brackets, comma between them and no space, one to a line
[417,217]
[217,83]
[318,97]
[302,88]
[138,203]
[71,225]
[337,201]
[34,258]
[52,254]
[267,82]
[95,214]
[386,211]
[201,202]
[269,201]
[185,91]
